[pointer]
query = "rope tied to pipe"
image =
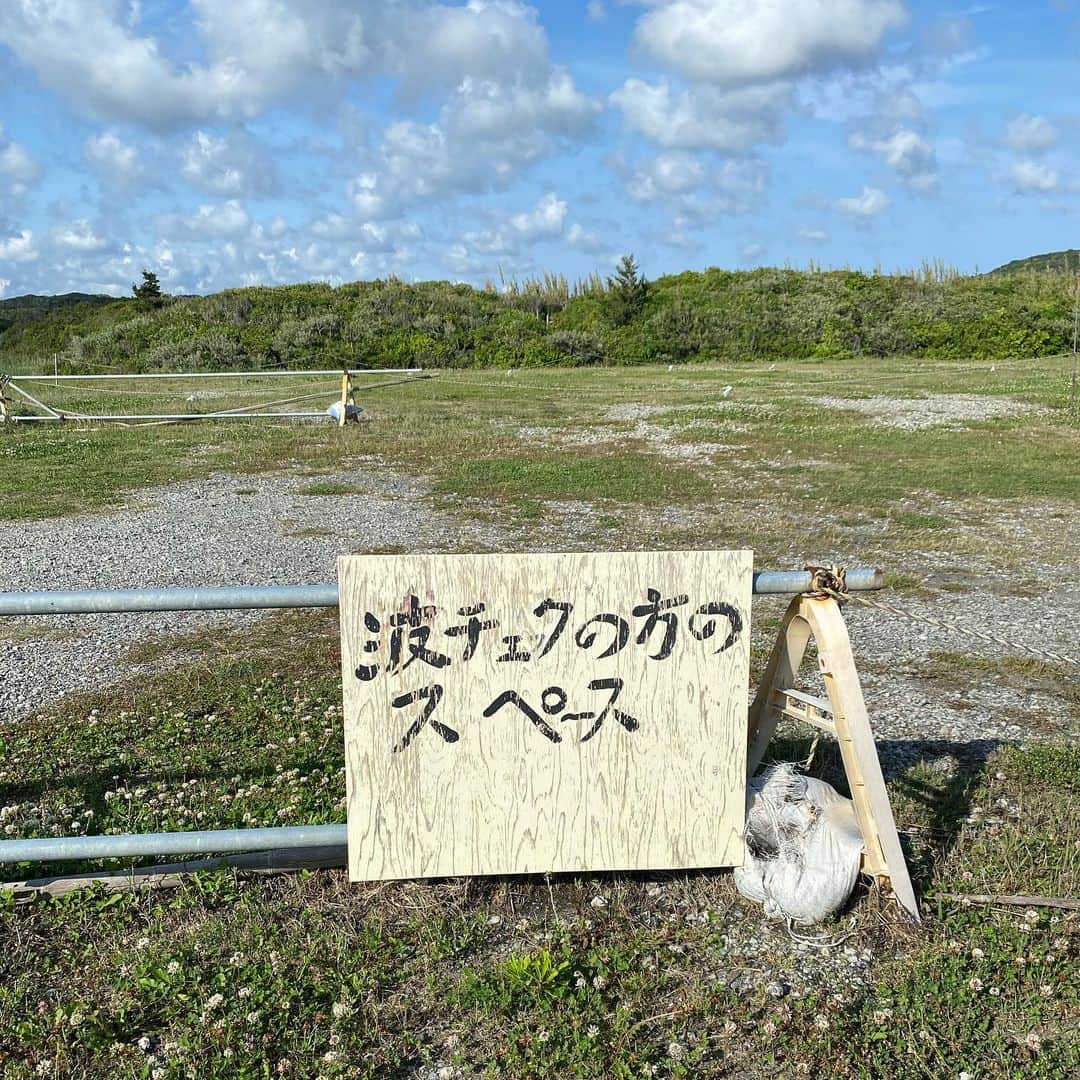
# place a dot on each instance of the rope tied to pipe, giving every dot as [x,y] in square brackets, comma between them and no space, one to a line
[828,581]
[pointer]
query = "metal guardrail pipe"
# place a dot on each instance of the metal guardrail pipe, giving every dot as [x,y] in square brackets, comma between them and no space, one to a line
[214,374]
[241,597]
[858,579]
[227,598]
[60,848]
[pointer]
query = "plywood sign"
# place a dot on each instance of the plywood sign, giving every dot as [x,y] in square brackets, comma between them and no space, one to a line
[530,713]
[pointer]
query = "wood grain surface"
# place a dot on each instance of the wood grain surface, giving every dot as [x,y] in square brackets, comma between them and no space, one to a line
[443,789]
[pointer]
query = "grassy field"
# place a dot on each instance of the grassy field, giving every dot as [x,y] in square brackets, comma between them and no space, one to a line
[627,438]
[602,975]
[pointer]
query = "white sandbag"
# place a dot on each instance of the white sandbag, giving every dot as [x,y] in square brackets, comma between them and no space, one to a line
[803,846]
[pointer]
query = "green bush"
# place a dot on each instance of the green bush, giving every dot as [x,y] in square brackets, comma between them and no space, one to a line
[713,315]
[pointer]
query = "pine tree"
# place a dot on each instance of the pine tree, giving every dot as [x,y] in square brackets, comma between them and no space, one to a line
[149,292]
[627,292]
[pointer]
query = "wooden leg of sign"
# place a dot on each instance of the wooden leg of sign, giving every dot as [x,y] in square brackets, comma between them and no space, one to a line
[3,400]
[842,715]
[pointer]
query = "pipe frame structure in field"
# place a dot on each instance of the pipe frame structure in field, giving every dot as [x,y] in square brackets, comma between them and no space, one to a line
[48,414]
[236,598]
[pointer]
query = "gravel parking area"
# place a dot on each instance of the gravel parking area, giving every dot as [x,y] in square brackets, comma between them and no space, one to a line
[265,530]
[225,530]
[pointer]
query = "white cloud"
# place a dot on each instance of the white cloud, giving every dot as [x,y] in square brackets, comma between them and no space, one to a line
[812,236]
[703,118]
[579,237]
[232,166]
[673,173]
[1028,176]
[906,152]
[545,219]
[79,236]
[736,42]
[4,283]
[869,204]
[595,12]
[93,53]
[117,162]
[1030,134]
[225,219]
[18,248]
[16,165]
[750,252]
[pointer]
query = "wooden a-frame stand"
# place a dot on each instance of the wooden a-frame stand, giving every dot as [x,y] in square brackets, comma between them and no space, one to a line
[843,716]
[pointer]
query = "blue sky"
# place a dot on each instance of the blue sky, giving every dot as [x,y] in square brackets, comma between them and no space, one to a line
[236,142]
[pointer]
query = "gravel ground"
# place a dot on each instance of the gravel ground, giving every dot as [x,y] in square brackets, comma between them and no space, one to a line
[225,530]
[251,530]
[939,410]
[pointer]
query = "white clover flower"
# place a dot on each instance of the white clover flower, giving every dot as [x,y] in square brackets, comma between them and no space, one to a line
[978,953]
[592,1031]
[341,1009]
[675,1050]
[821,1022]
[173,967]
[975,983]
[214,1001]
[144,1043]
[1046,990]
[1033,1042]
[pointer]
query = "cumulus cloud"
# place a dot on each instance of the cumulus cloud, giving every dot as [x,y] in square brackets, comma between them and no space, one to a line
[223,219]
[117,162]
[1029,176]
[869,204]
[702,117]
[668,174]
[18,248]
[258,51]
[17,167]
[1030,134]
[737,42]
[545,219]
[225,166]
[811,235]
[906,152]
[78,236]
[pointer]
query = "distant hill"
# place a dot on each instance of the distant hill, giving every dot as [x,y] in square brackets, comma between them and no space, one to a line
[1059,261]
[32,307]
[38,326]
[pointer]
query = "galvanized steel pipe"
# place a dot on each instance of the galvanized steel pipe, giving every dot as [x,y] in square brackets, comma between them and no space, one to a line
[241,597]
[59,848]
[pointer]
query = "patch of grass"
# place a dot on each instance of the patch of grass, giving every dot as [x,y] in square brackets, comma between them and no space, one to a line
[604,975]
[1016,672]
[918,522]
[625,478]
[330,487]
